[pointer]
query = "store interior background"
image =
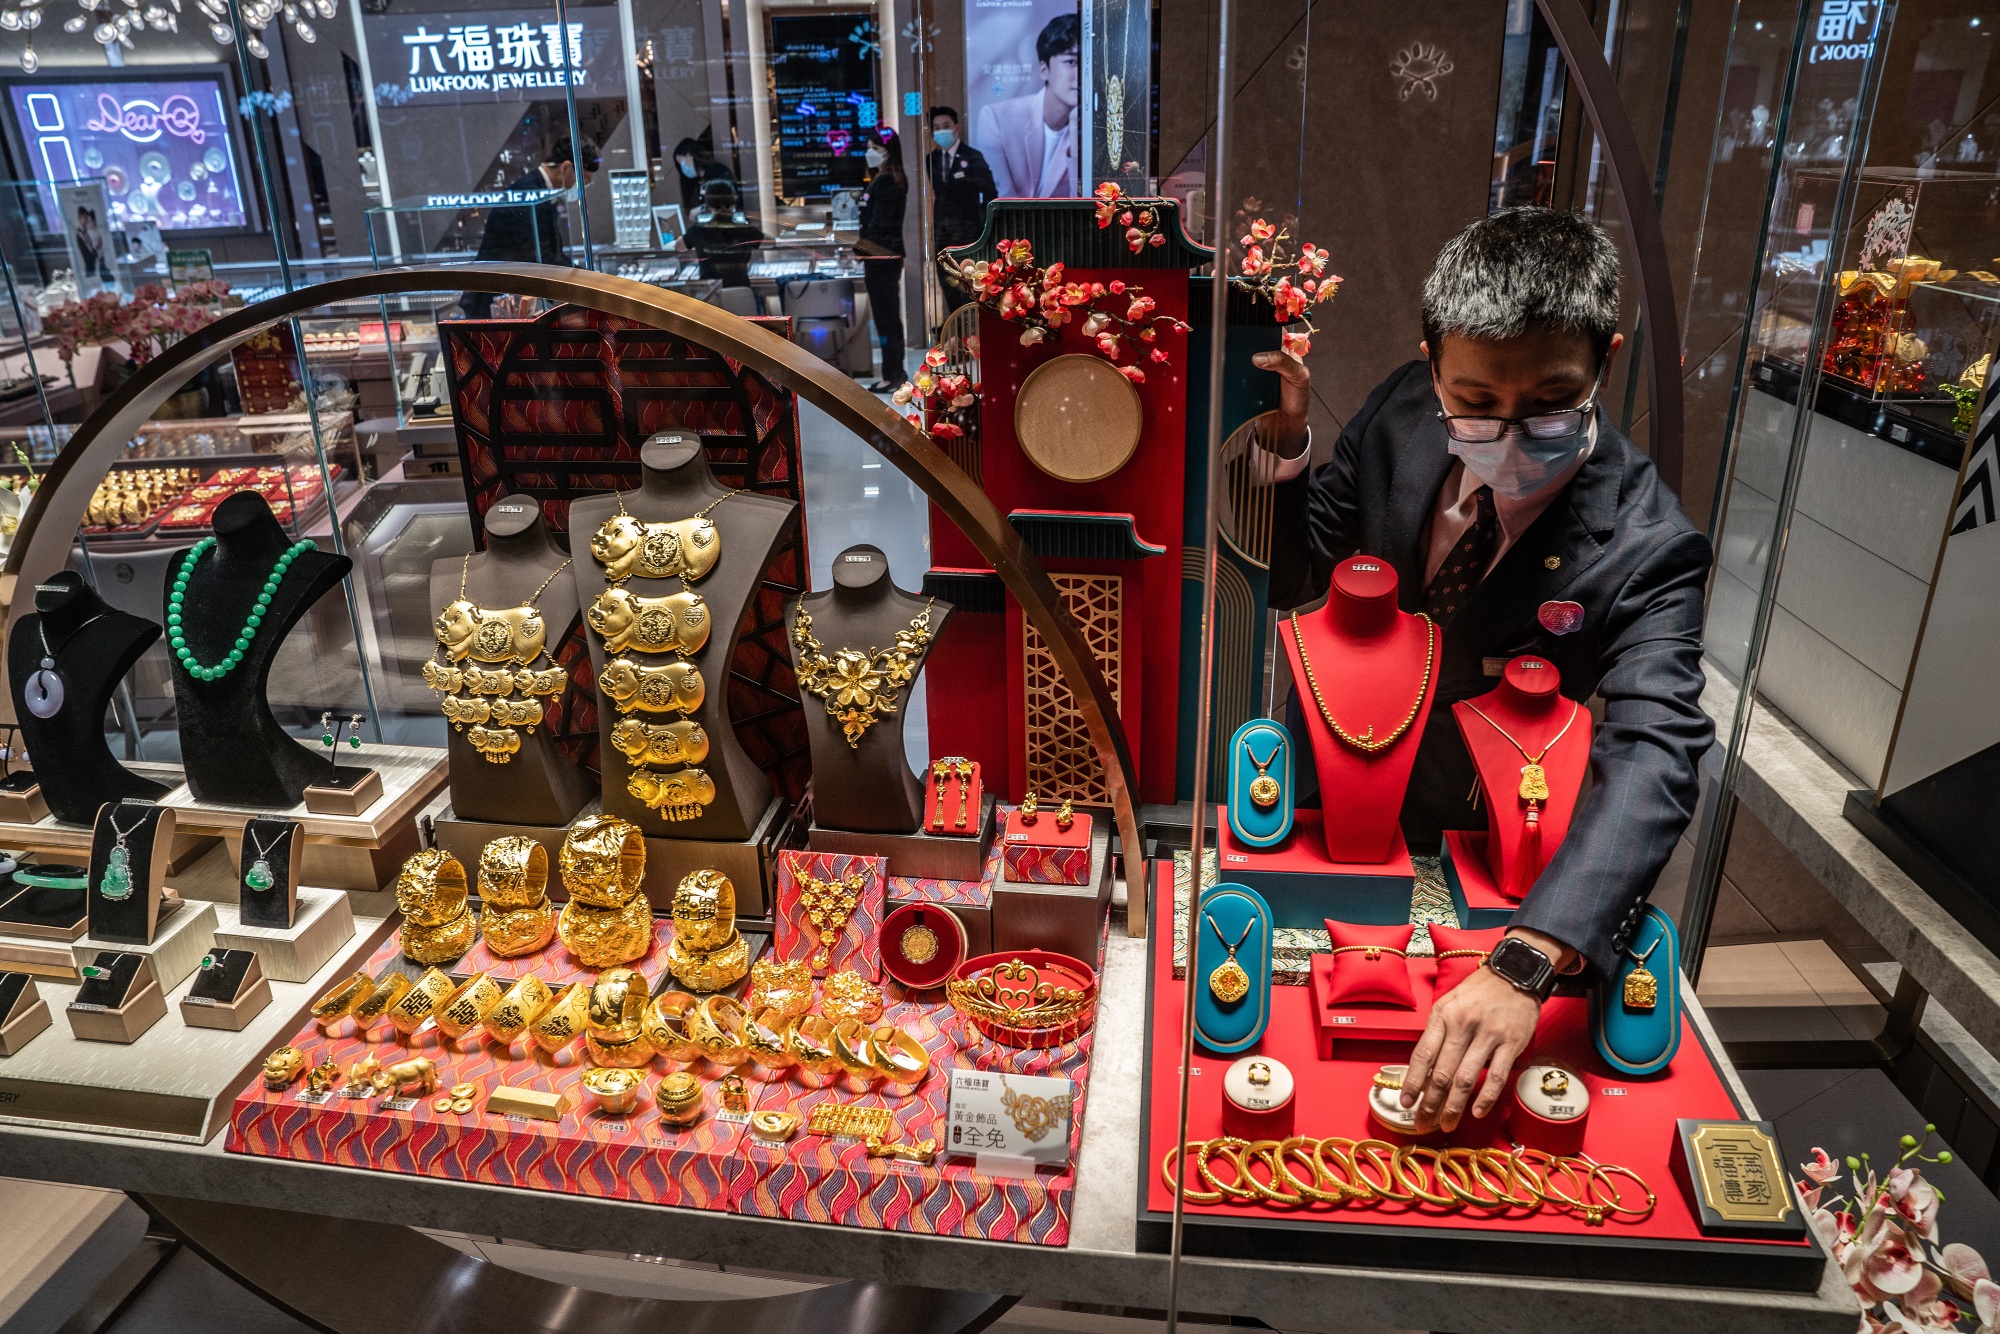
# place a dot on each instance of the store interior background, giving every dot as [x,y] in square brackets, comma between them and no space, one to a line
[1374,129]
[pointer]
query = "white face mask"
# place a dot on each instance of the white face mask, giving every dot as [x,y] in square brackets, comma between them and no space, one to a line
[876,157]
[1517,465]
[687,166]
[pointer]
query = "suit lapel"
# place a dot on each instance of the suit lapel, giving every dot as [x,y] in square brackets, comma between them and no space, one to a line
[1422,464]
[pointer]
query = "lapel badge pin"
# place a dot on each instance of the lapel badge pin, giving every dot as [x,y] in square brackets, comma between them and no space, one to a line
[1552,562]
[1561,618]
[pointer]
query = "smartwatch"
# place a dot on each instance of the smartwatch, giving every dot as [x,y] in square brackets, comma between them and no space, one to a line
[1523,967]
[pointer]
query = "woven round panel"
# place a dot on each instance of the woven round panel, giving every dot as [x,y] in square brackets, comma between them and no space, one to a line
[1077,418]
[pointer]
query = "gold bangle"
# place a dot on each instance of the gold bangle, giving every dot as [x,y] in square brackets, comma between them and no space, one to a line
[1602,1172]
[666,1026]
[716,1025]
[603,861]
[393,987]
[514,874]
[1295,1147]
[514,932]
[704,912]
[630,1054]
[768,1038]
[811,1045]
[849,995]
[853,1047]
[1382,1155]
[340,1002]
[1406,1155]
[431,889]
[440,944]
[421,1001]
[613,1089]
[778,985]
[1510,1175]
[1227,1146]
[566,1016]
[618,1005]
[519,1008]
[463,1010]
[1457,1170]
[709,970]
[1265,1150]
[1192,1196]
[900,1059]
[1357,1186]
[607,937]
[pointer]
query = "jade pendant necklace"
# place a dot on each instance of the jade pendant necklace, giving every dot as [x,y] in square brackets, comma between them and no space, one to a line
[177,602]
[259,876]
[116,882]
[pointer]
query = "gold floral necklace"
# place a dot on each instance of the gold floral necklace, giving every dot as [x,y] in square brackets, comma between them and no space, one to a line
[859,687]
[509,643]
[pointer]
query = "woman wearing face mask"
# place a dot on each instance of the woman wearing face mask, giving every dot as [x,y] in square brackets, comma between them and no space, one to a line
[882,250]
[694,168]
[1492,457]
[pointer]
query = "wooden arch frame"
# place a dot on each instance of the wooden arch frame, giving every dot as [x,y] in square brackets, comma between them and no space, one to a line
[42,544]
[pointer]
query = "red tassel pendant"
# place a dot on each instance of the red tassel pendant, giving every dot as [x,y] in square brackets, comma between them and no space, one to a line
[1527,866]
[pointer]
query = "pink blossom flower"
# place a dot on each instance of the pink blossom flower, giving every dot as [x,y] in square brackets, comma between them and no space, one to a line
[1262,231]
[1118,286]
[1964,1267]
[1140,308]
[946,431]
[1030,337]
[1916,1200]
[1158,354]
[1311,259]
[1133,373]
[1254,262]
[1822,1168]
[1108,344]
[1297,344]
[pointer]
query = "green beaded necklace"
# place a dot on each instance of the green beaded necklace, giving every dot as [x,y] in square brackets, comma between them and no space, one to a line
[234,658]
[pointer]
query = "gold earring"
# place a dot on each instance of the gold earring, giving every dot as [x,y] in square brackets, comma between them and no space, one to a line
[1065,817]
[1031,806]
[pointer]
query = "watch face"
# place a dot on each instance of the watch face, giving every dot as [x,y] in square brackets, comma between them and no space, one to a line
[1522,964]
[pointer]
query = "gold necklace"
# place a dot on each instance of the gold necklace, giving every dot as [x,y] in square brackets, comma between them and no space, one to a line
[688,547]
[1366,742]
[1228,982]
[828,905]
[860,687]
[1264,789]
[516,638]
[1534,779]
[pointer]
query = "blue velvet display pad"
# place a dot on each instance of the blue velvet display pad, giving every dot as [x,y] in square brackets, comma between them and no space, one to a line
[1469,917]
[1641,1042]
[1260,748]
[1230,913]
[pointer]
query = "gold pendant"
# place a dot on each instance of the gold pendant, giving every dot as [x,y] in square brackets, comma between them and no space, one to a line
[1642,989]
[1264,791]
[1229,983]
[1534,783]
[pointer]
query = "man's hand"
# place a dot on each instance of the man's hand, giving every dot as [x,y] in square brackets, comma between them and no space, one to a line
[1294,398]
[1484,1023]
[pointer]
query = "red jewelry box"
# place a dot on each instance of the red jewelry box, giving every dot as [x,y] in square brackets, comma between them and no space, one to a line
[1041,854]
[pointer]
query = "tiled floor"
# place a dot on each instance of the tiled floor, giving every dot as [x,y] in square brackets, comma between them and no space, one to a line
[1795,990]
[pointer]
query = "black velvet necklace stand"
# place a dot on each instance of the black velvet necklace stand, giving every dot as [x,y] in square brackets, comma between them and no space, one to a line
[868,787]
[281,846]
[538,785]
[94,646]
[234,751]
[675,484]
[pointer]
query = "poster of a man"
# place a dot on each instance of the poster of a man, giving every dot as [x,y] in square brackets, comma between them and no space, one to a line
[1030,140]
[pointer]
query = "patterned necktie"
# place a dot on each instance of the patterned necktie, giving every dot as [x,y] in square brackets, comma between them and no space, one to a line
[1466,565]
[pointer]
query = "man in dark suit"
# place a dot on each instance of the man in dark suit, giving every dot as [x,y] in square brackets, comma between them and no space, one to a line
[531,233]
[961,185]
[1491,456]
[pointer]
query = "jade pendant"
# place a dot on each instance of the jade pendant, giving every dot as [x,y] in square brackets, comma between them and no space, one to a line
[259,876]
[116,882]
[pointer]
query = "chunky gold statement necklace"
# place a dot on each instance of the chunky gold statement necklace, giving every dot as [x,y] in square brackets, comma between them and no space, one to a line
[859,687]
[1367,742]
[509,643]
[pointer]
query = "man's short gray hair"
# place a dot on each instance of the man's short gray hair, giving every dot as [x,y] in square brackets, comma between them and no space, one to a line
[1520,267]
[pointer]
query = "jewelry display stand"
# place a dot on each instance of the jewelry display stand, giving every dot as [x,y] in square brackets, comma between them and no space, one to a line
[24,1015]
[538,784]
[322,924]
[170,933]
[228,993]
[1484,869]
[922,855]
[119,1004]
[91,647]
[231,744]
[675,485]
[1068,919]
[267,872]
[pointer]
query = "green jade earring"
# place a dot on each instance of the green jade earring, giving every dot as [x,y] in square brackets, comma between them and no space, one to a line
[176,603]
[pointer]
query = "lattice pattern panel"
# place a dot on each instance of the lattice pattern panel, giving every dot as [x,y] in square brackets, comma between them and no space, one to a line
[557,407]
[1061,762]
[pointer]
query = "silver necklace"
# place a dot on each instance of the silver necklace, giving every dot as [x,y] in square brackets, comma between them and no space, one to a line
[259,877]
[116,882]
[45,691]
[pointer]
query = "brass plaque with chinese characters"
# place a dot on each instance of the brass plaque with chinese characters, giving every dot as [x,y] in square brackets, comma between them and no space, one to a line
[1737,1178]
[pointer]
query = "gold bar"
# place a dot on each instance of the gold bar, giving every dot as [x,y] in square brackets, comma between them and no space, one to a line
[509,1101]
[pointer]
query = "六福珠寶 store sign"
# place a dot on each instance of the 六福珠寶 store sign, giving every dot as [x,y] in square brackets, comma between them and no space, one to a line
[508,56]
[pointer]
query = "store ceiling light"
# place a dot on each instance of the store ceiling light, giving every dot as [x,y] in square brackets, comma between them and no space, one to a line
[118,20]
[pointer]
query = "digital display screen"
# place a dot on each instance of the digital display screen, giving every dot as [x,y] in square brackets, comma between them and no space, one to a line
[163,147]
[823,81]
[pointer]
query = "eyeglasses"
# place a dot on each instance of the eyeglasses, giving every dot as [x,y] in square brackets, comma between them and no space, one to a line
[1539,426]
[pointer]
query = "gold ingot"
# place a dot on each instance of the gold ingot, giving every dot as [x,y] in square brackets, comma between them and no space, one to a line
[520,1007]
[540,1104]
[440,944]
[603,861]
[854,1049]
[431,889]
[716,1025]
[774,1127]
[900,1059]
[627,1055]
[420,1002]
[613,1090]
[781,986]
[340,1002]
[388,991]
[848,995]
[607,937]
[518,931]
[283,1067]
[618,1005]
[468,1006]
[709,970]
[767,1036]
[564,1020]
[811,1045]
[513,874]
[666,1026]
[679,1099]
[704,911]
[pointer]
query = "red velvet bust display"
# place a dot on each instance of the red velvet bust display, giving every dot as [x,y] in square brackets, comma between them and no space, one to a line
[1368,660]
[1529,706]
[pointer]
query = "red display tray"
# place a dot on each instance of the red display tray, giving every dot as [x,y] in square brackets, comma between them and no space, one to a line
[1333,1023]
[1631,1124]
[1304,887]
[715,1165]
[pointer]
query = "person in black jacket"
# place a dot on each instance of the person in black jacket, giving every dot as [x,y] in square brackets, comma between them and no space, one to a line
[882,204]
[1491,456]
[961,186]
[694,168]
[531,233]
[725,240]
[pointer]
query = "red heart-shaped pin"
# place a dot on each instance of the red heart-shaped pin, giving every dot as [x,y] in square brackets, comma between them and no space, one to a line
[1560,618]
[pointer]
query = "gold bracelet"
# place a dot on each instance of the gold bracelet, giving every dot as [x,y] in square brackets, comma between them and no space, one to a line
[466,1007]
[786,987]
[704,912]
[342,1001]
[566,1016]
[666,1026]
[520,1007]
[1192,1196]
[900,1060]
[514,874]
[716,1025]
[393,987]
[421,1001]
[1413,1180]
[607,937]
[603,861]
[849,995]
[630,1054]
[440,944]
[431,889]
[618,1005]
[768,1038]
[811,1045]
[1226,1145]
[514,932]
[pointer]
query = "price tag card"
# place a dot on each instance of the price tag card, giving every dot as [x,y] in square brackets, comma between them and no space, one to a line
[999,1115]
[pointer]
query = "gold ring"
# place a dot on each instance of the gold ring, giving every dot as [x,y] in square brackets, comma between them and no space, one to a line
[513,874]
[618,1005]
[716,1025]
[421,1001]
[431,889]
[520,1007]
[767,1036]
[781,986]
[340,1002]
[848,995]
[1258,1073]
[513,932]
[853,1047]
[900,1059]
[666,1026]
[613,1089]
[1555,1082]
[440,944]
[774,1127]
[566,1016]
[391,989]
[704,912]
[603,861]
[607,937]
[463,1010]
